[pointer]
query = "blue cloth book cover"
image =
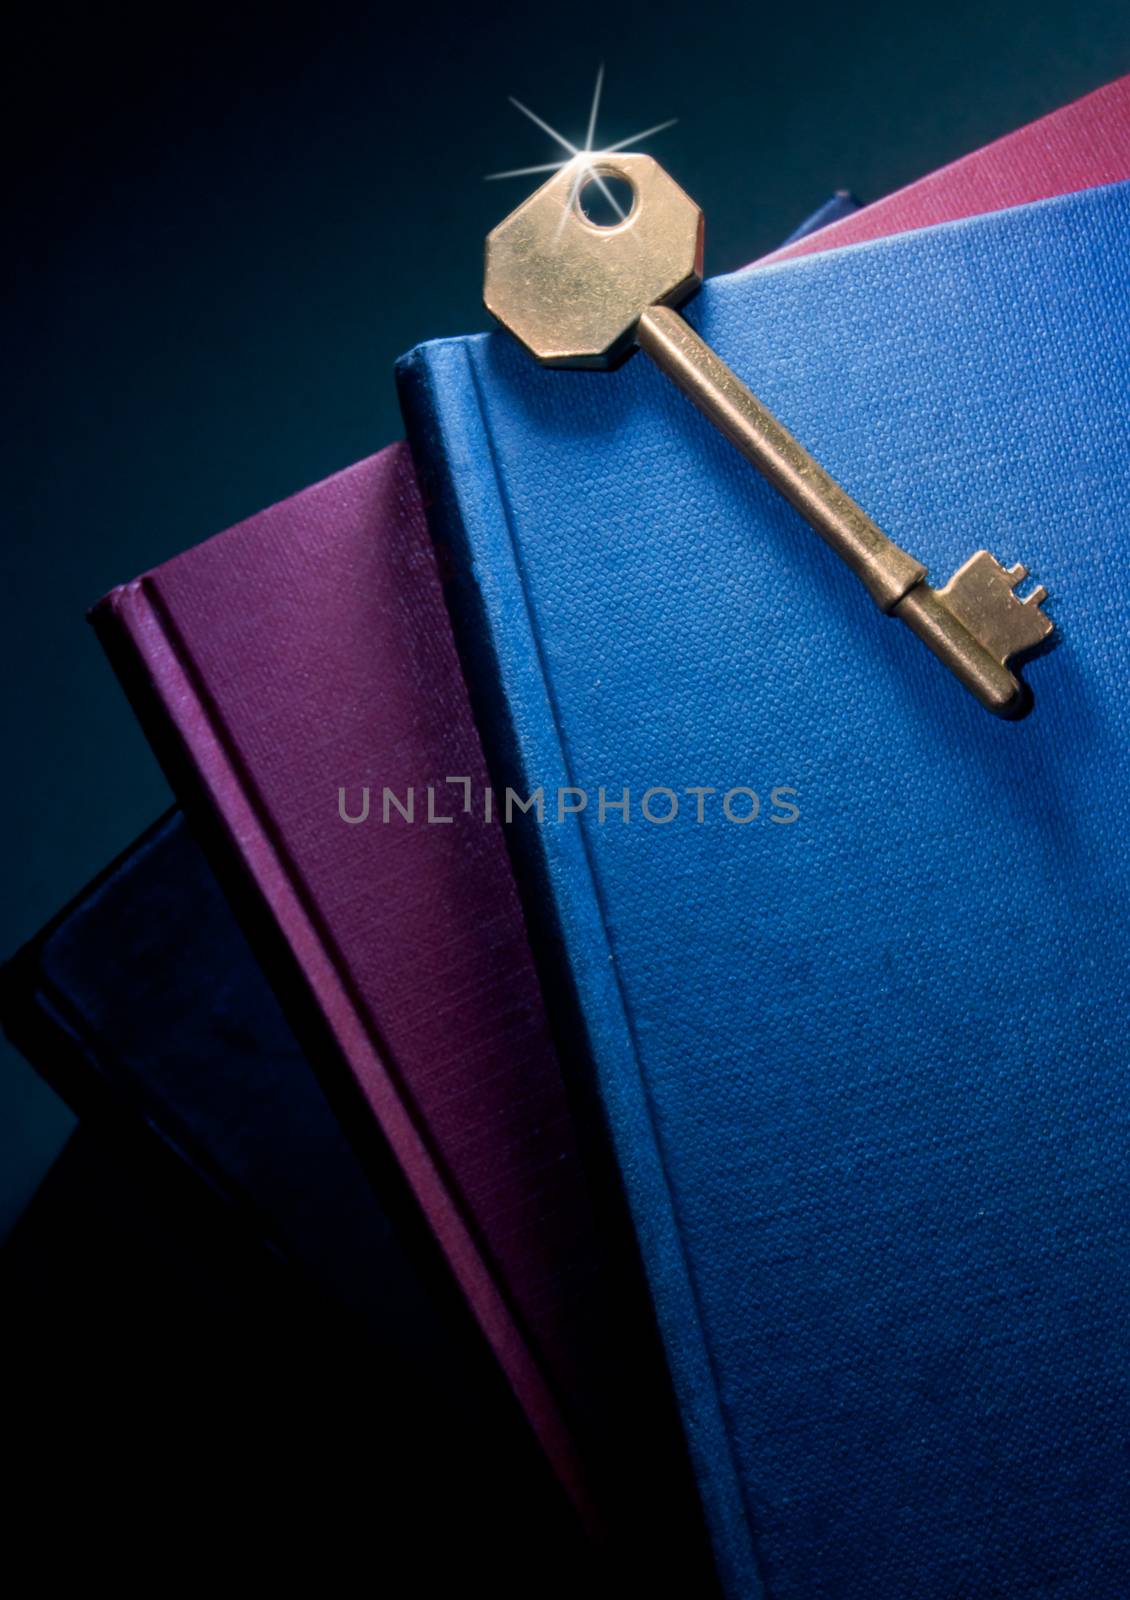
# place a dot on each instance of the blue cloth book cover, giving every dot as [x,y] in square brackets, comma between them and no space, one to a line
[848,954]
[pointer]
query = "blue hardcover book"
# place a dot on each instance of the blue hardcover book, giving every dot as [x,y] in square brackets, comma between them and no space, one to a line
[849,967]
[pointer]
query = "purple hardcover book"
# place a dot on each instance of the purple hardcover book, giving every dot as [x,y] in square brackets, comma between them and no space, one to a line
[298,671]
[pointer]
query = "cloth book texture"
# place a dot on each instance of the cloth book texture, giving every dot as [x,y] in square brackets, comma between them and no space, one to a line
[862,1053]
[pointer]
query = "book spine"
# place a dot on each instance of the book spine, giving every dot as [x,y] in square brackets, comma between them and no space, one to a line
[188,740]
[496,636]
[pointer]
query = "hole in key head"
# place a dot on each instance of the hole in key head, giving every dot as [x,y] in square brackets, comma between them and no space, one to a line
[605,198]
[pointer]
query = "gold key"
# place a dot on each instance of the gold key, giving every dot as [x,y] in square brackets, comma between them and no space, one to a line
[577,294]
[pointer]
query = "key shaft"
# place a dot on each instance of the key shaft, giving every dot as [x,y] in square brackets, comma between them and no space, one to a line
[886,571]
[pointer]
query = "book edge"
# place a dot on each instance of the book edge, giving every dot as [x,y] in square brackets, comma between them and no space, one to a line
[148,662]
[575,935]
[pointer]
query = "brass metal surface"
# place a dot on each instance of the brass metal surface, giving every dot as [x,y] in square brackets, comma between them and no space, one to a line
[581,295]
[572,291]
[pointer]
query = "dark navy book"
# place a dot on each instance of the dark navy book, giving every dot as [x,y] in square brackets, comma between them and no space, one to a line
[209,1273]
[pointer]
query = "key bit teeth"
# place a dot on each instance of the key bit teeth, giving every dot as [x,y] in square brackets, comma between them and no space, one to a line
[981,595]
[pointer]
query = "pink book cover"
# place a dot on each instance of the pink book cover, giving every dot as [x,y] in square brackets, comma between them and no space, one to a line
[307,651]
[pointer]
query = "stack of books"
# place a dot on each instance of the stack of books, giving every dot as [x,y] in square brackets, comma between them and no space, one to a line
[576,870]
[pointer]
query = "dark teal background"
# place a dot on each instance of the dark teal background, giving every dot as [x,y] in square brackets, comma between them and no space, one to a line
[229,223]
